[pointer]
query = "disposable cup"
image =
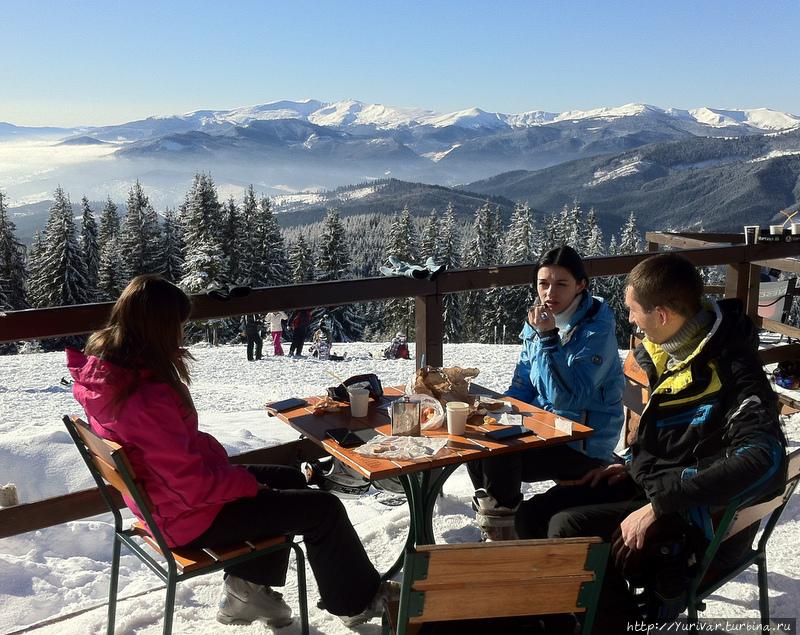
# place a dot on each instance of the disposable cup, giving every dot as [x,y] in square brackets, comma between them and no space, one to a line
[751,233]
[457,412]
[359,400]
[795,229]
[776,230]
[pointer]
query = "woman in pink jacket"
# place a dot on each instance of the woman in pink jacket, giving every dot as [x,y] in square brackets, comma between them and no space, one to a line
[132,383]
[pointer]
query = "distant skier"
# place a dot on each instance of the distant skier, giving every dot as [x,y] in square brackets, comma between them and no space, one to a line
[275,321]
[398,349]
[251,326]
[299,322]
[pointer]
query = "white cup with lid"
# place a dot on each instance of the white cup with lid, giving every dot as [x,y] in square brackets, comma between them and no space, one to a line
[457,413]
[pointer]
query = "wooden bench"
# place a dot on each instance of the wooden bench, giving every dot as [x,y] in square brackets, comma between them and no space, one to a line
[112,472]
[444,583]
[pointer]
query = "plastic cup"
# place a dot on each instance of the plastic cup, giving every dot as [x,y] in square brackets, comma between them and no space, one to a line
[359,400]
[751,233]
[457,413]
[776,230]
[795,229]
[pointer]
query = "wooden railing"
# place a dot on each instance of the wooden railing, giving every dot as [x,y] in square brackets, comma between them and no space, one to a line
[742,262]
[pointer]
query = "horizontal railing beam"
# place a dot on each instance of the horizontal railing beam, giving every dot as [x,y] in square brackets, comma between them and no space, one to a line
[85,318]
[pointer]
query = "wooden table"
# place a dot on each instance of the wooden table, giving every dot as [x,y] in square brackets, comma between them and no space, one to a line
[423,479]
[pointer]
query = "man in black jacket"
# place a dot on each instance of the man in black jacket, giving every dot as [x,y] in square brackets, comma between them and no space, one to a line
[709,434]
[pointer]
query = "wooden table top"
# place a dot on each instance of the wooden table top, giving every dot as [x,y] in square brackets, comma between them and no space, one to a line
[472,445]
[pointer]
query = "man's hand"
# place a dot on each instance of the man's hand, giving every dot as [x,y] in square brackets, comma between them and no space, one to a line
[635,526]
[613,473]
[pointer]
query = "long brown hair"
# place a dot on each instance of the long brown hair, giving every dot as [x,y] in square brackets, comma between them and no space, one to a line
[144,332]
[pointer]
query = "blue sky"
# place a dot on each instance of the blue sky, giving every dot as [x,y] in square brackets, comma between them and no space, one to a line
[100,62]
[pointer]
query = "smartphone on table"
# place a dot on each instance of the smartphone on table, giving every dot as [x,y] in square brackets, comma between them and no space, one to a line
[285,404]
[350,438]
[508,432]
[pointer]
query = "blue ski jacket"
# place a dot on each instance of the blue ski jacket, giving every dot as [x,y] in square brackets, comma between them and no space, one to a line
[577,374]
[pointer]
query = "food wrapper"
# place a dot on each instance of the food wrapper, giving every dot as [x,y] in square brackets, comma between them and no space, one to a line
[431,412]
[402,448]
[444,384]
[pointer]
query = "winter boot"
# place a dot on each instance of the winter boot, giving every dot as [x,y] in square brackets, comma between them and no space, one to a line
[495,521]
[388,591]
[243,602]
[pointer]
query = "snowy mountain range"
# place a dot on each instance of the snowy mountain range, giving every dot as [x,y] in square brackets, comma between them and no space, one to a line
[286,147]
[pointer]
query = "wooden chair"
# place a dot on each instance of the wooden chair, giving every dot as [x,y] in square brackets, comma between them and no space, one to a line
[734,519]
[112,472]
[499,579]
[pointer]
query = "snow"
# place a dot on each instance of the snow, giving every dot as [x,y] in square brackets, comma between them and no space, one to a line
[774,155]
[634,166]
[61,574]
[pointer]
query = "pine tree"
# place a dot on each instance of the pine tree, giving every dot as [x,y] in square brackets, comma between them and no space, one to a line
[231,230]
[510,304]
[452,321]
[13,275]
[629,243]
[572,227]
[173,248]
[89,245]
[139,239]
[63,269]
[301,261]
[204,266]
[594,246]
[333,263]
[35,282]
[109,223]
[402,243]
[247,241]
[479,251]
[429,248]
[274,267]
[109,280]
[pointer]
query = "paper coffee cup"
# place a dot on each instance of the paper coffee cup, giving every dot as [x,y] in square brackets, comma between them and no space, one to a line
[457,413]
[359,400]
[795,229]
[776,230]
[751,233]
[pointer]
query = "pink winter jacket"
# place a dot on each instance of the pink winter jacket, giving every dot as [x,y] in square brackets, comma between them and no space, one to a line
[184,471]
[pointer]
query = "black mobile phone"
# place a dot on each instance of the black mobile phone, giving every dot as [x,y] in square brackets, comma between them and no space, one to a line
[508,432]
[350,438]
[286,404]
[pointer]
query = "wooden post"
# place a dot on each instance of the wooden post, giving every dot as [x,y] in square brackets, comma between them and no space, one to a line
[430,330]
[741,281]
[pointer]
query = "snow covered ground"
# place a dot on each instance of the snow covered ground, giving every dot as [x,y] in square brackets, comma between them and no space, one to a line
[53,578]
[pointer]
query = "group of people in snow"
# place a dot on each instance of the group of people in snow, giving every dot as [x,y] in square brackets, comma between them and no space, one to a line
[709,434]
[253,329]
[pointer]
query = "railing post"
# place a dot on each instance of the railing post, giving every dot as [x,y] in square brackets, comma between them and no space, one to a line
[741,281]
[430,332]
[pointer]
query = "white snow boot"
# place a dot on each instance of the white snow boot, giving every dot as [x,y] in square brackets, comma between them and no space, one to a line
[495,521]
[243,602]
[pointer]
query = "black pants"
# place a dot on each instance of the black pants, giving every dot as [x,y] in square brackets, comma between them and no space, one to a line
[346,579]
[564,512]
[298,338]
[502,476]
[254,341]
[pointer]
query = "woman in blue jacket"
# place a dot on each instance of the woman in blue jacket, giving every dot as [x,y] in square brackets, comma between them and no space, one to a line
[569,365]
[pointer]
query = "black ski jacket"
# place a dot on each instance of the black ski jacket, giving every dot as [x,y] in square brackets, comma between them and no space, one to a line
[710,433]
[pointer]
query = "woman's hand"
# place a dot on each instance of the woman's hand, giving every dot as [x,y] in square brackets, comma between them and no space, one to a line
[540,318]
[613,473]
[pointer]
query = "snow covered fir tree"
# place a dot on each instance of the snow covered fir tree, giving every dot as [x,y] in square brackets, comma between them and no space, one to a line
[207,244]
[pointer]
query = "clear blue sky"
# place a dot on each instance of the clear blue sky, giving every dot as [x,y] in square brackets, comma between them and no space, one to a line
[105,61]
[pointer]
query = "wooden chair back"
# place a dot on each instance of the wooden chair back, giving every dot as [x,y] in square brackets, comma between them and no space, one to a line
[746,516]
[634,396]
[501,579]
